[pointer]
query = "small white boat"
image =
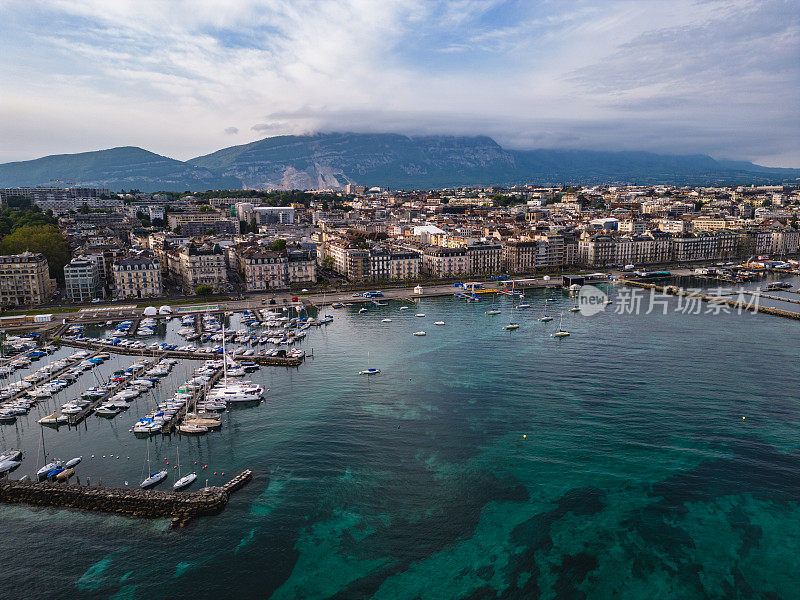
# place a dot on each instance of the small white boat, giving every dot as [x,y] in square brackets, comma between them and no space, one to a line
[523,305]
[369,372]
[48,467]
[419,315]
[546,318]
[438,323]
[71,463]
[362,310]
[386,320]
[493,311]
[560,333]
[419,333]
[607,302]
[403,308]
[154,479]
[6,466]
[511,326]
[575,308]
[189,429]
[184,481]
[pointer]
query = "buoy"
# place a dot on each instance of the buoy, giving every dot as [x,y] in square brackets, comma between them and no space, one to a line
[175,466]
[223,473]
[195,462]
[742,418]
[118,458]
[167,462]
[215,472]
[524,436]
[92,455]
[104,455]
[126,483]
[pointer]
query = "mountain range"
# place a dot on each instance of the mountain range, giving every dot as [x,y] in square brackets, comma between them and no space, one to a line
[332,160]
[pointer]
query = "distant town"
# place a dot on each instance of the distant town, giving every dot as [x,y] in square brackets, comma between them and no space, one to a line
[91,245]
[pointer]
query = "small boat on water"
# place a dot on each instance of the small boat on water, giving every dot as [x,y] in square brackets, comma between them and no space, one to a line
[153,479]
[11,455]
[184,481]
[511,326]
[420,315]
[560,333]
[403,308]
[545,318]
[419,333]
[72,462]
[65,474]
[440,323]
[386,320]
[6,466]
[362,310]
[523,305]
[369,372]
[575,308]
[189,429]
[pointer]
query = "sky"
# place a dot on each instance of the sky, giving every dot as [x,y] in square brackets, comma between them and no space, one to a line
[185,78]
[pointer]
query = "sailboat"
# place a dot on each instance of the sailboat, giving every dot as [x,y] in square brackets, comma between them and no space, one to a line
[153,478]
[326,318]
[49,466]
[512,324]
[369,371]
[560,333]
[186,479]
[493,310]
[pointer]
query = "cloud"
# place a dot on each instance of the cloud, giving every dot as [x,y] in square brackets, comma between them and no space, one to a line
[231,130]
[682,76]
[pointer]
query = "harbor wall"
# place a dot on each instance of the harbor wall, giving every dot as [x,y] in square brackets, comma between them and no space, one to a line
[153,504]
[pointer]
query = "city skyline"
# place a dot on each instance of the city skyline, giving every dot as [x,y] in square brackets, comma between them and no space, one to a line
[186,78]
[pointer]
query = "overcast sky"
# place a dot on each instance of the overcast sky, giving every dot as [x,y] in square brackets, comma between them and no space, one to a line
[184,78]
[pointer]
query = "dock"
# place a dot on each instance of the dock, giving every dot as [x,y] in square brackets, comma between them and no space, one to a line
[753,307]
[181,507]
[78,417]
[198,395]
[276,361]
[51,377]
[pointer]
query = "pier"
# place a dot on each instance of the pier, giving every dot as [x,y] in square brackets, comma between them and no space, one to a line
[748,306]
[198,395]
[276,361]
[78,417]
[51,377]
[181,507]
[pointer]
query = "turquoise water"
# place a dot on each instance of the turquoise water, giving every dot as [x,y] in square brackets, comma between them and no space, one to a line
[480,463]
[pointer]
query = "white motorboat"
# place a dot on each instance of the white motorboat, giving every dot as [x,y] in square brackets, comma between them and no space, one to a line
[420,315]
[6,466]
[386,320]
[369,372]
[419,333]
[440,323]
[403,308]
[72,462]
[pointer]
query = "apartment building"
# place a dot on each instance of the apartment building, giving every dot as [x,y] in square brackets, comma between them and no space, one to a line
[82,278]
[137,277]
[353,263]
[519,256]
[202,266]
[484,258]
[202,223]
[445,262]
[391,264]
[25,279]
[268,269]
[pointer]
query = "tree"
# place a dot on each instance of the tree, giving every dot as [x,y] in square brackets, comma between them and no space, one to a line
[84,209]
[46,239]
[327,263]
[794,220]
[278,245]
[204,290]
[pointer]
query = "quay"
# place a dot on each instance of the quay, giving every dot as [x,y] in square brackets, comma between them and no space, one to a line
[276,361]
[748,306]
[181,507]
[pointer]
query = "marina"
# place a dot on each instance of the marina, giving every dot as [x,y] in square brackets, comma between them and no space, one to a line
[441,432]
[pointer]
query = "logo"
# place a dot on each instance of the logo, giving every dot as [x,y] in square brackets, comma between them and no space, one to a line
[591,300]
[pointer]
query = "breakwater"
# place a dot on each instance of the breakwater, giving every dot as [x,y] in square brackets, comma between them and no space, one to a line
[752,306]
[275,361]
[181,507]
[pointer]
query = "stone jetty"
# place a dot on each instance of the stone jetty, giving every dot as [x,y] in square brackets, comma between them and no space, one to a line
[181,507]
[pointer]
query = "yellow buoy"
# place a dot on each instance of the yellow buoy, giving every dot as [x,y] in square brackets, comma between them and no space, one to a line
[524,436]
[742,418]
